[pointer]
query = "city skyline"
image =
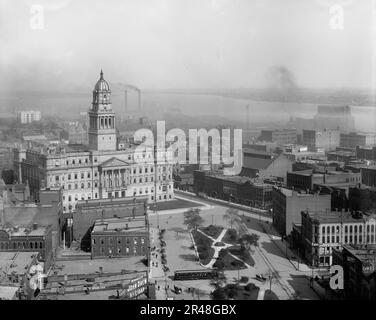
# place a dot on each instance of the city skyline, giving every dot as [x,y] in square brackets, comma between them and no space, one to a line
[173,44]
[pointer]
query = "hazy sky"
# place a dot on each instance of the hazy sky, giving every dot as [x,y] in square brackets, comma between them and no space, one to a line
[185,43]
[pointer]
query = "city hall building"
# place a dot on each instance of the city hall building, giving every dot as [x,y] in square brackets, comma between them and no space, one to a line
[101,170]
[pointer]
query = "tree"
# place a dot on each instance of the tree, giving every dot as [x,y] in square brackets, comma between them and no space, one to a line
[232,217]
[192,218]
[8,176]
[248,240]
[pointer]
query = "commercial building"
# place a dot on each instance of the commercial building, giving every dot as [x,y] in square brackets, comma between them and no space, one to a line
[264,165]
[120,237]
[369,176]
[344,156]
[100,170]
[354,139]
[80,223]
[236,189]
[359,268]
[28,116]
[326,140]
[362,199]
[279,136]
[334,117]
[366,153]
[307,179]
[288,204]
[34,239]
[321,232]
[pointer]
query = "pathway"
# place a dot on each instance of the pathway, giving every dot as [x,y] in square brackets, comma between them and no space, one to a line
[218,249]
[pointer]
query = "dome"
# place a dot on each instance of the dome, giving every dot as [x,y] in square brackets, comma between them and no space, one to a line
[101,85]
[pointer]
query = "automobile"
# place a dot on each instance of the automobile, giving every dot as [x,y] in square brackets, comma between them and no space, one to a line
[177,290]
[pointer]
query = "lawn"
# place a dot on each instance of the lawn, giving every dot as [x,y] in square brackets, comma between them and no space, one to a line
[243,255]
[212,231]
[227,262]
[203,244]
[174,204]
[231,236]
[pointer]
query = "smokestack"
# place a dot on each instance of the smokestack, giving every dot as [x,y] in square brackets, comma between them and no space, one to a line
[126,104]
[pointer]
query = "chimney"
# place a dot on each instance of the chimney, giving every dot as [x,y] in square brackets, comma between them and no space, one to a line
[35,226]
[126,226]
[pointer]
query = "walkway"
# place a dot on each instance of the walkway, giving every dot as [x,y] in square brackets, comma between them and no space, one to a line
[218,249]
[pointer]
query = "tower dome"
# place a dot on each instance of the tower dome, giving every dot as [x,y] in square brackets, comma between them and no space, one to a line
[102,85]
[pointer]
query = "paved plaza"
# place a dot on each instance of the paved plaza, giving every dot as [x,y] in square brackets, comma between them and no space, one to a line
[288,282]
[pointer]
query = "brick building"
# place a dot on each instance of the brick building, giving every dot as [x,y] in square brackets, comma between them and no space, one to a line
[288,204]
[36,238]
[119,237]
[88,212]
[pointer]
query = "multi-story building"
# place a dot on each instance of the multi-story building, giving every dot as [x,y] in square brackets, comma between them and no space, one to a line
[28,116]
[366,153]
[101,170]
[236,189]
[327,139]
[307,179]
[288,204]
[321,232]
[36,238]
[264,165]
[6,158]
[369,176]
[354,139]
[119,237]
[359,271]
[279,136]
[334,117]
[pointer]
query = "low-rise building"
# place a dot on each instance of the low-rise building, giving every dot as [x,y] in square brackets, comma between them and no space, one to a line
[34,239]
[120,238]
[14,266]
[89,211]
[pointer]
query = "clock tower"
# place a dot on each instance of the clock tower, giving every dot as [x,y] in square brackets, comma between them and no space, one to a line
[102,129]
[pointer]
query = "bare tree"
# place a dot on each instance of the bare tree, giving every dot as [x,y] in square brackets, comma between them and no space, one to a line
[192,218]
[232,217]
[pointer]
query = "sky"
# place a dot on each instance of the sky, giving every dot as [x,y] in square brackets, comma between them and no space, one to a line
[165,44]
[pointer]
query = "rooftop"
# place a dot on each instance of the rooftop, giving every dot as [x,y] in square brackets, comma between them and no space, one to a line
[337,216]
[16,262]
[22,231]
[120,225]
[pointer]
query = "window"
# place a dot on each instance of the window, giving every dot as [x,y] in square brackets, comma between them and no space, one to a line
[140,170]
[69,176]
[75,176]
[88,175]
[142,240]
[135,241]
[82,175]
[135,250]
[82,186]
